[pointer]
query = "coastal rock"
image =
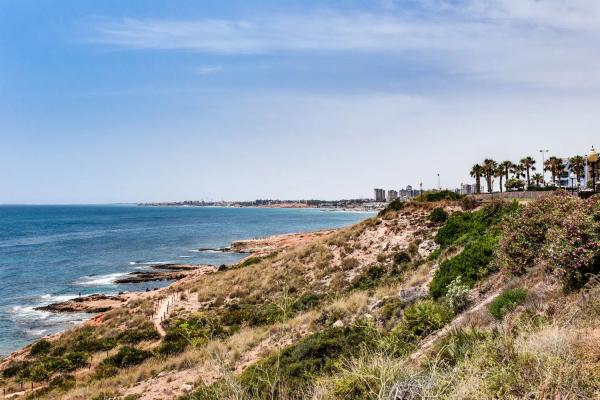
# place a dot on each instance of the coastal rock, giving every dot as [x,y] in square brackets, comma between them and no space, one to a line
[95,303]
[149,276]
[186,388]
[412,294]
[338,324]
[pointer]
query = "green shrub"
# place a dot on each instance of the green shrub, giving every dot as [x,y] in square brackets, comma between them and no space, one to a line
[173,343]
[77,359]
[395,205]
[296,366]
[458,345]
[127,357]
[133,336]
[306,302]
[41,347]
[439,195]
[515,184]
[62,382]
[424,317]
[369,278]
[438,215]
[16,368]
[472,264]
[401,257]
[506,302]
[463,227]
[251,314]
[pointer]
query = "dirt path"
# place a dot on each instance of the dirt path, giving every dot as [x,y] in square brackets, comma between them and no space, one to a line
[164,308]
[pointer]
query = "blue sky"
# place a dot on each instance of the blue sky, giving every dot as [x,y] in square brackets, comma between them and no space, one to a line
[110,101]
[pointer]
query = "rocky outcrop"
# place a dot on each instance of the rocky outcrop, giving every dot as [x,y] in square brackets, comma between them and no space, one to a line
[95,303]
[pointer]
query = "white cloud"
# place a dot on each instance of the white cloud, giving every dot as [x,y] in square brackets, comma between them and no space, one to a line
[544,43]
[208,69]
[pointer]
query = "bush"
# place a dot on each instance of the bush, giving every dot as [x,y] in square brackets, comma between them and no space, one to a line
[472,264]
[133,336]
[438,215]
[562,231]
[459,345]
[127,357]
[369,278]
[469,203]
[514,185]
[424,317]
[306,302]
[62,382]
[395,205]
[251,314]
[297,365]
[401,257]
[457,295]
[41,347]
[506,302]
[104,371]
[439,195]
[350,263]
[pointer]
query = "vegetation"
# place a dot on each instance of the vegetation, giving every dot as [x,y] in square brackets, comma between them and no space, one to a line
[506,302]
[478,233]
[439,195]
[438,215]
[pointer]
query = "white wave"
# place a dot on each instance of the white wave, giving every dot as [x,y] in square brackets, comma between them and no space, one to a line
[185,256]
[99,280]
[51,298]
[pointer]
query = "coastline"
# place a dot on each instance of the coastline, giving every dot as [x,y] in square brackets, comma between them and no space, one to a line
[96,305]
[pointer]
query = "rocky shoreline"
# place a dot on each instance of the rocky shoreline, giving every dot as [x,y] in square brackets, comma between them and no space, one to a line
[99,303]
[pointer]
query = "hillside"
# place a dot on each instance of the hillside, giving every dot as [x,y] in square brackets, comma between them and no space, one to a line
[425,300]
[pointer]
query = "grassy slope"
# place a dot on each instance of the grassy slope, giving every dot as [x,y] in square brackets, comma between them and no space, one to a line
[334,320]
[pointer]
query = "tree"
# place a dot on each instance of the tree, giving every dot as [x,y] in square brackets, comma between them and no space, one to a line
[514,184]
[517,171]
[538,179]
[489,170]
[507,166]
[500,173]
[477,173]
[555,166]
[528,163]
[577,166]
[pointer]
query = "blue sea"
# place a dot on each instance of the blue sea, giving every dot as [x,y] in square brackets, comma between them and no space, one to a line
[53,253]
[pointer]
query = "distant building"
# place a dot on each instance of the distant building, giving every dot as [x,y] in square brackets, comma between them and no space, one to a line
[563,180]
[380,195]
[392,195]
[467,188]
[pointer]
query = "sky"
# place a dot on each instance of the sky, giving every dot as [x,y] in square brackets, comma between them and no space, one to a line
[145,100]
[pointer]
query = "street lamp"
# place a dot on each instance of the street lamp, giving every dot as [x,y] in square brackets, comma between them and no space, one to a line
[573,177]
[544,152]
[592,159]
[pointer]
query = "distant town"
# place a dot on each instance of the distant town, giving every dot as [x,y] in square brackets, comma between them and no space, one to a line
[364,204]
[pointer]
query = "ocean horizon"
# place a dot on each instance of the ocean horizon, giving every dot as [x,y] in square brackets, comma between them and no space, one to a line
[51,253]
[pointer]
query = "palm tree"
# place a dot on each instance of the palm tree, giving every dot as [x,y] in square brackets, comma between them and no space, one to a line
[489,169]
[506,166]
[555,166]
[577,166]
[477,173]
[538,179]
[518,171]
[500,173]
[528,163]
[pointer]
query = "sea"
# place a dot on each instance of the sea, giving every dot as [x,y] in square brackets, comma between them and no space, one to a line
[54,253]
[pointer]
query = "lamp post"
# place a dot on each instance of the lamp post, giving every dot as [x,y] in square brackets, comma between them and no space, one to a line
[439,182]
[543,166]
[573,177]
[592,159]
